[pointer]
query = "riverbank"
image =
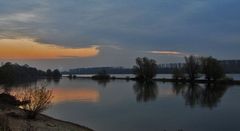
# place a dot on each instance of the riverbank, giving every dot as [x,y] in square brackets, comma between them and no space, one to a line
[13,119]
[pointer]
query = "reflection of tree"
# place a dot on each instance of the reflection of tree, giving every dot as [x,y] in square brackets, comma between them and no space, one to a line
[212,95]
[205,96]
[55,80]
[7,87]
[145,91]
[103,82]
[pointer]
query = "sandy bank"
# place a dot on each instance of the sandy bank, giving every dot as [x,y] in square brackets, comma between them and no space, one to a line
[14,119]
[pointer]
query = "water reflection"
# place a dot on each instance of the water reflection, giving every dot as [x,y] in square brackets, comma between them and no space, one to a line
[145,91]
[54,80]
[8,87]
[72,94]
[208,95]
[103,82]
[62,95]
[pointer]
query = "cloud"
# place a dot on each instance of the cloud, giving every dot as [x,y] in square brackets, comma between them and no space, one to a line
[18,17]
[28,49]
[175,53]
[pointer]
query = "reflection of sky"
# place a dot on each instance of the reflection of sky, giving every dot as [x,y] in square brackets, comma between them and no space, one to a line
[118,109]
[61,95]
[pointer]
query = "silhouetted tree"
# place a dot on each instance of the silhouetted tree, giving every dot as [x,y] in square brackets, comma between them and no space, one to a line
[146,69]
[49,73]
[178,74]
[13,72]
[211,68]
[102,75]
[192,67]
[56,73]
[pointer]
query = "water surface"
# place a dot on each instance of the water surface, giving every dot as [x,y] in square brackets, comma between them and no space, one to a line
[121,105]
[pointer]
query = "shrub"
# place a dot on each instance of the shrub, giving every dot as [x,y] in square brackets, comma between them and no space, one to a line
[39,100]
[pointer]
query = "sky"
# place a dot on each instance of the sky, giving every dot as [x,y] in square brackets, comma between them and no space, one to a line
[68,34]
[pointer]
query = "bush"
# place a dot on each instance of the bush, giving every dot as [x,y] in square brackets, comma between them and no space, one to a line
[39,100]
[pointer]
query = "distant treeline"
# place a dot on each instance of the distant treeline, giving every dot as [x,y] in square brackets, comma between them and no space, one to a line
[96,70]
[14,72]
[229,66]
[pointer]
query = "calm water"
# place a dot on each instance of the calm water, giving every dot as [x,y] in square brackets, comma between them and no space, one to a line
[129,106]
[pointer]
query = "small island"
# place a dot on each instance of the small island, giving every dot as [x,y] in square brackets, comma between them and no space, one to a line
[205,70]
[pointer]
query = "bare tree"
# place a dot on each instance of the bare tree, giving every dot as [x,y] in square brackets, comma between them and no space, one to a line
[39,98]
[192,67]
[145,69]
[211,68]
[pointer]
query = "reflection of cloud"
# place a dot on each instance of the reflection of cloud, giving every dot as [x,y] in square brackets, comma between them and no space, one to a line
[29,49]
[168,53]
[72,94]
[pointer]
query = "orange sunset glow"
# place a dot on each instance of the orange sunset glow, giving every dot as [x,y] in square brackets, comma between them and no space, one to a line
[68,95]
[30,49]
[61,95]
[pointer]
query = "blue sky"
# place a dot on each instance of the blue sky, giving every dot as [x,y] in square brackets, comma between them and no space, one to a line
[165,30]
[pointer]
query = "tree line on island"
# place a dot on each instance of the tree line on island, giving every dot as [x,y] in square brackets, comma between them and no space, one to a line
[194,67]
